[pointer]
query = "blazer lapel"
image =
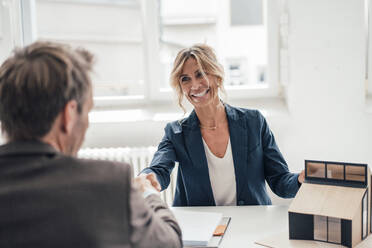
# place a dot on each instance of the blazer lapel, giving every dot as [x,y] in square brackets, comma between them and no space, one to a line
[239,142]
[196,153]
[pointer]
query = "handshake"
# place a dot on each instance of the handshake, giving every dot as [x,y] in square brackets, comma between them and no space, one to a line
[147,182]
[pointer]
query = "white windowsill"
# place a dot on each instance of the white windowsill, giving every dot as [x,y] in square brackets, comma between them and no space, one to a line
[129,3]
[87,38]
[167,112]
[177,21]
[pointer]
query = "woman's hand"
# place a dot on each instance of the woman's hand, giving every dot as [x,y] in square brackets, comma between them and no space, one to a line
[151,177]
[301,176]
[154,181]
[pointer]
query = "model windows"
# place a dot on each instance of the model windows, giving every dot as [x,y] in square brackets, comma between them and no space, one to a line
[365,215]
[355,173]
[335,171]
[320,228]
[315,169]
[327,229]
[344,174]
[334,230]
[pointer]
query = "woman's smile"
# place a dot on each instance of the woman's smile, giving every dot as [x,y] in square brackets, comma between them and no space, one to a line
[202,95]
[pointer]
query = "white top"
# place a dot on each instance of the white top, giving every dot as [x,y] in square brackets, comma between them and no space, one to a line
[222,176]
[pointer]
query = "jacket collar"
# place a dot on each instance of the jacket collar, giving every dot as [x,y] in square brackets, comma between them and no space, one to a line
[27,147]
[191,122]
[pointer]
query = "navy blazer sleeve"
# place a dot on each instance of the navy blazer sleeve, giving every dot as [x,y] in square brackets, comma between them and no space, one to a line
[281,181]
[163,161]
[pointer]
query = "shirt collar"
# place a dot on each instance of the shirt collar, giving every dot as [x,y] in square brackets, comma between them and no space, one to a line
[27,147]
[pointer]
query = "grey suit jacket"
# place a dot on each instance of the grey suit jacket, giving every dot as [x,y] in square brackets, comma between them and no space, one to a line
[48,199]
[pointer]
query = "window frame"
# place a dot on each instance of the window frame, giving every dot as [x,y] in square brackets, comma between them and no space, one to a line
[327,229]
[272,87]
[317,220]
[11,28]
[338,223]
[154,91]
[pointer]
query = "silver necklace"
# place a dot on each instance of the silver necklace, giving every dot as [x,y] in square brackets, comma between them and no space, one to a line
[206,127]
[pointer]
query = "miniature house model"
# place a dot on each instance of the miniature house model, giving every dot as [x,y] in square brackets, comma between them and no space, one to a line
[333,204]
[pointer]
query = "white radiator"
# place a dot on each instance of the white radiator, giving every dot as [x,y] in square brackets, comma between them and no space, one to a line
[138,157]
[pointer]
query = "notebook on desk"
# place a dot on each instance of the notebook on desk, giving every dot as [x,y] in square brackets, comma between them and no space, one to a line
[198,227]
[215,241]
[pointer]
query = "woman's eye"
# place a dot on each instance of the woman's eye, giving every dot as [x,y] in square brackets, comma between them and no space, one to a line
[199,74]
[184,79]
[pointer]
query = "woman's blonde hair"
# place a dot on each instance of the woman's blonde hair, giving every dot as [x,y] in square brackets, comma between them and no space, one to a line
[207,62]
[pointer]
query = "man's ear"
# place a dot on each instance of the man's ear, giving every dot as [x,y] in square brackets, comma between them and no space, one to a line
[69,116]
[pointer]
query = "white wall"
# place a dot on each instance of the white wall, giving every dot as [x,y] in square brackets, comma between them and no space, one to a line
[326,94]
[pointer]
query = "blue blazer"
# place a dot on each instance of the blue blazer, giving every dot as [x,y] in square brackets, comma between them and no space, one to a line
[255,154]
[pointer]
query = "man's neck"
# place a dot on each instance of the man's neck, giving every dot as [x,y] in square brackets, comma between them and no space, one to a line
[52,142]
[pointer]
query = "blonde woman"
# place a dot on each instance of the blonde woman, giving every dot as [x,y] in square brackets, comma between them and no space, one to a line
[225,153]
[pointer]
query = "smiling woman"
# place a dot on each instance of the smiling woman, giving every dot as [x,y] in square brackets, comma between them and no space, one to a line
[199,88]
[225,153]
[195,74]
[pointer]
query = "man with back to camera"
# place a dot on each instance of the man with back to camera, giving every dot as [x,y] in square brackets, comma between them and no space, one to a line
[49,198]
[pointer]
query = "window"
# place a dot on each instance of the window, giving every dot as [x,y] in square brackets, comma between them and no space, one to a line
[119,32]
[117,40]
[241,31]
[355,173]
[246,12]
[334,230]
[335,171]
[314,169]
[365,215]
[10,28]
[327,229]
[320,228]
[137,40]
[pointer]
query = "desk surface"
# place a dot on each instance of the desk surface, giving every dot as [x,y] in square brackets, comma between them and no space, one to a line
[249,223]
[253,223]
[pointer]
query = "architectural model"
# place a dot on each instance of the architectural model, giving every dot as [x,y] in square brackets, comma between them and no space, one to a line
[333,204]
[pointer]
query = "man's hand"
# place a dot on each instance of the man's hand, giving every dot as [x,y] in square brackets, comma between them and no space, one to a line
[301,177]
[147,182]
